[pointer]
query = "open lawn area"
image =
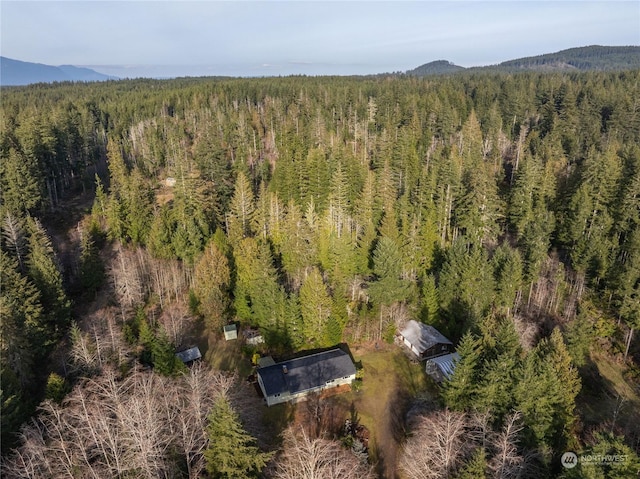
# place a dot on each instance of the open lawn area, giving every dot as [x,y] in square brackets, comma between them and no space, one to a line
[229,356]
[389,384]
[608,397]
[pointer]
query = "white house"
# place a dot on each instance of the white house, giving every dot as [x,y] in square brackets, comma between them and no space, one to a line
[294,379]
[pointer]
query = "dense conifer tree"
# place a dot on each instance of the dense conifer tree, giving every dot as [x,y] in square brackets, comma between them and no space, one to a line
[460,391]
[315,305]
[44,270]
[211,285]
[231,453]
[241,210]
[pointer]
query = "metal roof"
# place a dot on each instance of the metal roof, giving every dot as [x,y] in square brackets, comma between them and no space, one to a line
[265,361]
[422,336]
[190,354]
[446,363]
[305,373]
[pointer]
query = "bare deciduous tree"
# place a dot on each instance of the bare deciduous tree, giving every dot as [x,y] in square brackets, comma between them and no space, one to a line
[135,274]
[443,441]
[83,355]
[14,238]
[437,447]
[127,276]
[144,425]
[320,458]
[508,462]
[176,321]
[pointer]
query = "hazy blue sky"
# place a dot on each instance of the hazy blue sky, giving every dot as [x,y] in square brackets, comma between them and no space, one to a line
[167,38]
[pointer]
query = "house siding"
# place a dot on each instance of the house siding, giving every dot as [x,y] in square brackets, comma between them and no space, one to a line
[437,350]
[424,341]
[286,397]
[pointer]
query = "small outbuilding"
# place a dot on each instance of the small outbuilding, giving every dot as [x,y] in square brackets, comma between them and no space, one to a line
[294,379]
[425,341]
[189,355]
[442,367]
[230,332]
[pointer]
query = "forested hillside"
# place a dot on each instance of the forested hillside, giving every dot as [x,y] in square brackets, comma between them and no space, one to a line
[438,67]
[594,57]
[591,58]
[137,215]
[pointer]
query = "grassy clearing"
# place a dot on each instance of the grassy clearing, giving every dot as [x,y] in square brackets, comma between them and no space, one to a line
[390,382]
[228,356]
[607,395]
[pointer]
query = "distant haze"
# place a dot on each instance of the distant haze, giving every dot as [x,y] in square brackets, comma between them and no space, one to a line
[245,38]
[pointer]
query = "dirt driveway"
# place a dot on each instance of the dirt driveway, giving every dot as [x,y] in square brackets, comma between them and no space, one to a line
[390,382]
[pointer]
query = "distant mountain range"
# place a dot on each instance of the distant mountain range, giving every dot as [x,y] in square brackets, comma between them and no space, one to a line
[591,58]
[15,72]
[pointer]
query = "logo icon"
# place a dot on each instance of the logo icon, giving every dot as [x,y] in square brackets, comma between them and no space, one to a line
[569,460]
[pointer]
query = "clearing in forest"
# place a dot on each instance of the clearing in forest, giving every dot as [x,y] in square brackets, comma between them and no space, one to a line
[389,384]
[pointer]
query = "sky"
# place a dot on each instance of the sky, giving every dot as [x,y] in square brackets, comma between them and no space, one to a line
[263,38]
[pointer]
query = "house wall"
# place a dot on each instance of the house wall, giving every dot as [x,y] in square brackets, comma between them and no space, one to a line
[411,346]
[437,350]
[229,335]
[285,397]
[261,384]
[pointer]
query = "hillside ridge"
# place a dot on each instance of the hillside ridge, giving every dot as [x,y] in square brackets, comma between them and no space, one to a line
[16,72]
[588,58]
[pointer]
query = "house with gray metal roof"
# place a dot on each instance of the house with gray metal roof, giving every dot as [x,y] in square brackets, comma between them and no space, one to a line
[442,367]
[296,378]
[425,341]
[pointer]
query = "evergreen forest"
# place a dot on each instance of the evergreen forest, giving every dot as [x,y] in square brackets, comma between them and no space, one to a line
[139,217]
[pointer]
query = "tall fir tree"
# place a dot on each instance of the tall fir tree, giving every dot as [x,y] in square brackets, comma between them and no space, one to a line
[92,273]
[315,305]
[466,286]
[241,210]
[45,272]
[211,285]
[459,391]
[231,453]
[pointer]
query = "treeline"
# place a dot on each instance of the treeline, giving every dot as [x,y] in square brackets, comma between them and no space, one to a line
[330,209]
[594,57]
